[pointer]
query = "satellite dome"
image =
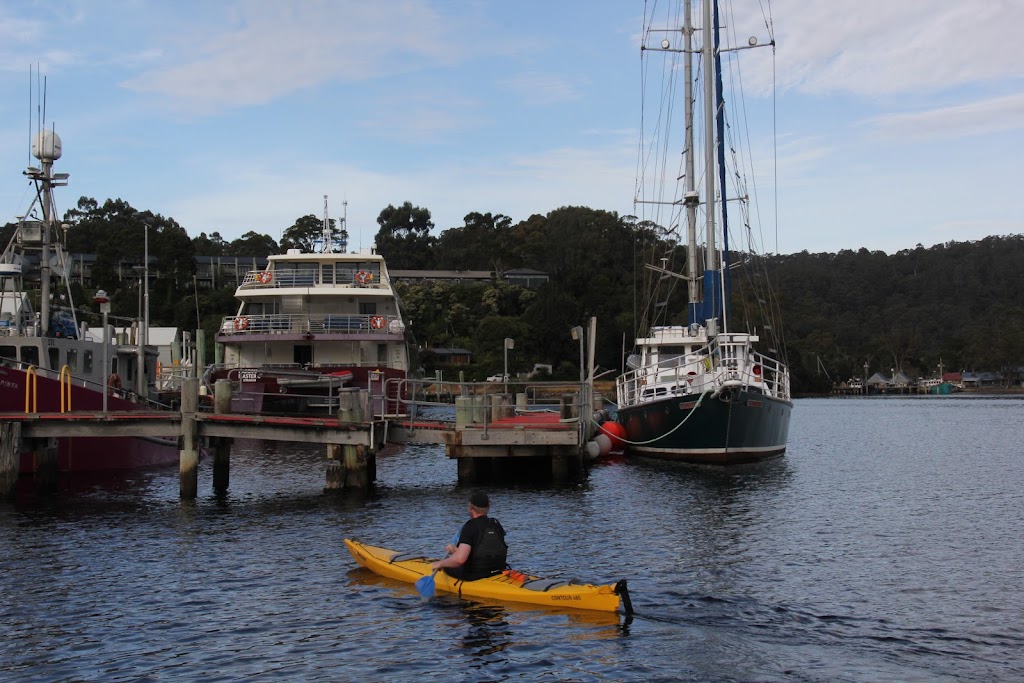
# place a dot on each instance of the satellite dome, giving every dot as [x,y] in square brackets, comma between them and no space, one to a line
[46,146]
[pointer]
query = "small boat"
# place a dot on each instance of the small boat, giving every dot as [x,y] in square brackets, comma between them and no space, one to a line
[700,388]
[509,586]
[310,327]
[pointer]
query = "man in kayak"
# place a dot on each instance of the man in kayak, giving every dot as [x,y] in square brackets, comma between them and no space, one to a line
[481,550]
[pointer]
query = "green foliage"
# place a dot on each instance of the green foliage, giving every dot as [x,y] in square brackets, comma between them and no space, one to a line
[954,302]
[404,237]
[307,233]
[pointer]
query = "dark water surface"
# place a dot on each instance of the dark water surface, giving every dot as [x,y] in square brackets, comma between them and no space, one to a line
[886,545]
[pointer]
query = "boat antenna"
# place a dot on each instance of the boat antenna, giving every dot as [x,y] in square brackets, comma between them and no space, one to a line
[326,230]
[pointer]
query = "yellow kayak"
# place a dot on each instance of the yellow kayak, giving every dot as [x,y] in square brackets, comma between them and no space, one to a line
[509,586]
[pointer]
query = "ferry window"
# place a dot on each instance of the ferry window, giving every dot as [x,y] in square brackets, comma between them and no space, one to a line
[327,273]
[87,363]
[73,360]
[8,356]
[129,372]
[30,355]
[113,365]
[53,354]
[368,307]
[345,274]
[382,353]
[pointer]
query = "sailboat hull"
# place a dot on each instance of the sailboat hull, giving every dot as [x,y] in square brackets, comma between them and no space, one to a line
[744,428]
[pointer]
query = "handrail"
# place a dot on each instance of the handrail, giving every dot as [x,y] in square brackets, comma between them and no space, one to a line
[65,372]
[31,382]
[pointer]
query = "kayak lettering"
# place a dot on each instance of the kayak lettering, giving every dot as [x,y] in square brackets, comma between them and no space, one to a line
[566,597]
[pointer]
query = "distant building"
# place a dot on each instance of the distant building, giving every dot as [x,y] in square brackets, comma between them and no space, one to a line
[452,356]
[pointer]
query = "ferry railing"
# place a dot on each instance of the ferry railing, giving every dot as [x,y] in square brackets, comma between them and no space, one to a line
[360,278]
[303,323]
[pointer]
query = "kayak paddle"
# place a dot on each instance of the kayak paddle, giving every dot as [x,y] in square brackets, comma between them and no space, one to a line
[425,584]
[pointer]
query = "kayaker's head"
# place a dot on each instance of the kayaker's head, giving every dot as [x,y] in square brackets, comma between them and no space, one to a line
[479,503]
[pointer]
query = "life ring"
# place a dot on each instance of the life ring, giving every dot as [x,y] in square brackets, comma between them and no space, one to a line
[364,277]
[114,381]
[264,277]
[377,322]
[241,323]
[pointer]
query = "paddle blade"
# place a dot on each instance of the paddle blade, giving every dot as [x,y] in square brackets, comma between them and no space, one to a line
[425,586]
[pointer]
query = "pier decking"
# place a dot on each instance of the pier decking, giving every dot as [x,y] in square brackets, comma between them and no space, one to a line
[492,430]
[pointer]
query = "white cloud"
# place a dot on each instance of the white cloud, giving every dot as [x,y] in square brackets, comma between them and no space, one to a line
[993,115]
[874,47]
[272,49]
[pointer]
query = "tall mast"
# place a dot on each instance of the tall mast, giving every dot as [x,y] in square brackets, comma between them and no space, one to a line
[708,53]
[691,197]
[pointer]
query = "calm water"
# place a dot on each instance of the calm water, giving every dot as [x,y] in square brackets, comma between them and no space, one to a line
[886,545]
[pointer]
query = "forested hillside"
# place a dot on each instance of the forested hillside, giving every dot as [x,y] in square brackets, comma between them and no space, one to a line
[958,303]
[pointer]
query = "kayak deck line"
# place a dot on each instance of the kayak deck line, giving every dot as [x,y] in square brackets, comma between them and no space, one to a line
[509,585]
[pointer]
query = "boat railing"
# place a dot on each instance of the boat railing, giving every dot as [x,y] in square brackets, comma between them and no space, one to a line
[280,278]
[302,323]
[720,362]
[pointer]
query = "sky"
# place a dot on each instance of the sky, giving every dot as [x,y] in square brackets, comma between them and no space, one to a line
[897,123]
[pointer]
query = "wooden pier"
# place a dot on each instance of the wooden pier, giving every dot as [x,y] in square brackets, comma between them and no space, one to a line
[494,433]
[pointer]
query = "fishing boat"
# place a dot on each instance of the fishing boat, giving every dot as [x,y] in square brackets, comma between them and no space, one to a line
[50,361]
[701,386]
[310,327]
[508,586]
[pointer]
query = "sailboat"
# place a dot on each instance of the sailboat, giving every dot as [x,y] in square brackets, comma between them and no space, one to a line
[699,387]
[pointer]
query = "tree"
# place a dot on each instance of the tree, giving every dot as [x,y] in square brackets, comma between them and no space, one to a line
[214,245]
[307,235]
[404,237]
[253,243]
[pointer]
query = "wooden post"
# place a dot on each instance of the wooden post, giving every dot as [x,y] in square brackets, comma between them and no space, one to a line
[559,468]
[467,471]
[335,473]
[347,464]
[222,397]
[10,454]
[188,464]
[44,452]
[221,463]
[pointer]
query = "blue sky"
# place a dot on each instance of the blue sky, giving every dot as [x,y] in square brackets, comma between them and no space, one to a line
[898,122]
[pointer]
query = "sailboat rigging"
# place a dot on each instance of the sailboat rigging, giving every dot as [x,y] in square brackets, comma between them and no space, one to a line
[700,392]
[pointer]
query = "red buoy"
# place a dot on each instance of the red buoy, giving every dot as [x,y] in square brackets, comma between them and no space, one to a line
[615,432]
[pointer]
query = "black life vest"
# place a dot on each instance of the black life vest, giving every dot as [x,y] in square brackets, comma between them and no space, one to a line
[489,554]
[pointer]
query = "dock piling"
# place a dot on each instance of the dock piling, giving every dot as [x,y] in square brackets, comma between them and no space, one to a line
[10,447]
[188,464]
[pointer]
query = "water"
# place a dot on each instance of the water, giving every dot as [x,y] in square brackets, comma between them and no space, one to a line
[886,545]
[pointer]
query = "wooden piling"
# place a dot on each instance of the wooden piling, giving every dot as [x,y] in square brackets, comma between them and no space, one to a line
[10,454]
[188,464]
[335,472]
[44,455]
[221,463]
[222,397]
[348,465]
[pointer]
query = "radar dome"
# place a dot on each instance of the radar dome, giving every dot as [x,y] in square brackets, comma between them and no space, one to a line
[46,146]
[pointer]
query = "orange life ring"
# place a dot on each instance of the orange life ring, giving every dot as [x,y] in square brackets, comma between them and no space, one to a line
[114,381]
[364,277]
[377,322]
[264,277]
[241,323]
